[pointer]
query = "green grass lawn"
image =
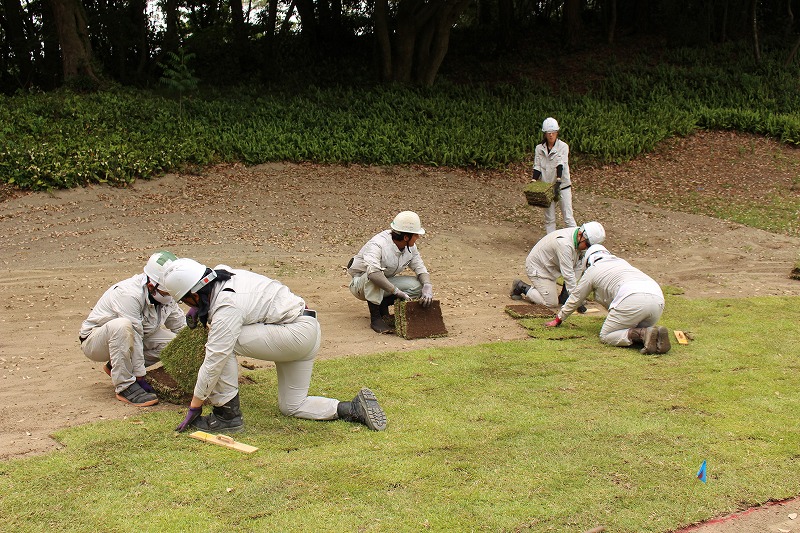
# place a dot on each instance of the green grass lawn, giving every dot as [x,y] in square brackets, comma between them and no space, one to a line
[560,434]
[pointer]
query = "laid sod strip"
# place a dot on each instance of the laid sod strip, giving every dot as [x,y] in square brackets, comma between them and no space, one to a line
[531,435]
[183,357]
[413,321]
[528,311]
[539,193]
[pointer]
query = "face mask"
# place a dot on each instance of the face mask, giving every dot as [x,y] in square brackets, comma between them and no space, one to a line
[160,298]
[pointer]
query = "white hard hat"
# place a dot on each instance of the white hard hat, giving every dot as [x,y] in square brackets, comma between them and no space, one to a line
[156,264]
[593,253]
[184,275]
[594,232]
[549,124]
[407,222]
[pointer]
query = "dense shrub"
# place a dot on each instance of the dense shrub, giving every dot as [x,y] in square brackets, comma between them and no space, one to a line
[62,139]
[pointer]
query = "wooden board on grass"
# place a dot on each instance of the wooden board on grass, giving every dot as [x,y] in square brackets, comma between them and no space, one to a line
[223,440]
[681,336]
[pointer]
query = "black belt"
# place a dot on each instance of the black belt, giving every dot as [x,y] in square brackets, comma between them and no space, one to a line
[309,312]
[565,188]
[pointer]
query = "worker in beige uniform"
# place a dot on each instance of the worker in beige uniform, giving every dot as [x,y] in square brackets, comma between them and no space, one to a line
[126,330]
[376,269]
[634,301]
[551,165]
[251,315]
[556,254]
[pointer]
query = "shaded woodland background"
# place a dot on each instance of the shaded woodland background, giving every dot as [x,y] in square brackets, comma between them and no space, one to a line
[45,44]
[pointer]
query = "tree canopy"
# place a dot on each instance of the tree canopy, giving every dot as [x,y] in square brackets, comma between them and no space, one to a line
[47,43]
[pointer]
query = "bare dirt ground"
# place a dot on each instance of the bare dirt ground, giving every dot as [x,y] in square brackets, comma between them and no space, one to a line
[301,224]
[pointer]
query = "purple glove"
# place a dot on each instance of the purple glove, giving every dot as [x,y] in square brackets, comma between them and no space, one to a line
[191,318]
[553,323]
[193,413]
[144,384]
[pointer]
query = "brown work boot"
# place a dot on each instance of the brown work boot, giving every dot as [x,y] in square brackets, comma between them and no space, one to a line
[662,344]
[650,341]
[636,335]
[376,321]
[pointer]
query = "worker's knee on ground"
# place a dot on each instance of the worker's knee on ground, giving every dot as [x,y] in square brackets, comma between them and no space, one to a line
[288,410]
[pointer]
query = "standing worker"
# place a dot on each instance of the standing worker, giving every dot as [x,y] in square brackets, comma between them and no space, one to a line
[376,269]
[251,315]
[551,165]
[633,299]
[124,330]
[556,254]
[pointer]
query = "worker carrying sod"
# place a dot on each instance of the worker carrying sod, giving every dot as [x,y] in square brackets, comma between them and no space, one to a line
[633,299]
[126,330]
[251,315]
[551,165]
[556,254]
[376,269]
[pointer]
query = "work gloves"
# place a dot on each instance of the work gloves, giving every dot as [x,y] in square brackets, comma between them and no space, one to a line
[400,294]
[553,323]
[191,318]
[557,190]
[427,295]
[193,413]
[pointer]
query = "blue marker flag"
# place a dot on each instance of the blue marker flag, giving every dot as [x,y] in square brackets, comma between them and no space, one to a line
[701,474]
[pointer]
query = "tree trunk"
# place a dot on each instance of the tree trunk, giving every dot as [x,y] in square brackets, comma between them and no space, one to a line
[239,32]
[15,32]
[139,15]
[172,40]
[572,19]
[505,18]
[793,53]
[612,21]
[421,39]
[381,23]
[73,36]
[754,19]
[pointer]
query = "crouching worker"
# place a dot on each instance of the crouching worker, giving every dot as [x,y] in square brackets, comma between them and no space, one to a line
[125,330]
[377,266]
[556,254]
[633,299]
[251,315]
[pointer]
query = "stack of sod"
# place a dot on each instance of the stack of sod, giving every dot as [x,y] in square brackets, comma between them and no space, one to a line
[529,311]
[180,360]
[795,271]
[412,321]
[539,193]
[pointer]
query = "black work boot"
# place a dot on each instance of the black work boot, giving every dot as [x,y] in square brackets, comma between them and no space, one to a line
[136,395]
[223,418]
[636,335]
[376,321]
[519,289]
[385,303]
[364,409]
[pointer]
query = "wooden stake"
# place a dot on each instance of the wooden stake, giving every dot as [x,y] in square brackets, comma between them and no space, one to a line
[681,336]
[222,440]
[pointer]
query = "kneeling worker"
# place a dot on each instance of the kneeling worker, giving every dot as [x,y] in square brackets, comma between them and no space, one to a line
[251,315]
[375,270]
[633,299]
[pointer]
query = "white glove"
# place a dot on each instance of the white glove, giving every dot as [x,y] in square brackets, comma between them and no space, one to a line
[400,294]
[427,295]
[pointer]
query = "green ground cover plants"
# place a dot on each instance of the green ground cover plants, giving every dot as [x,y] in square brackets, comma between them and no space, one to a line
[558,434]
[63,140]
